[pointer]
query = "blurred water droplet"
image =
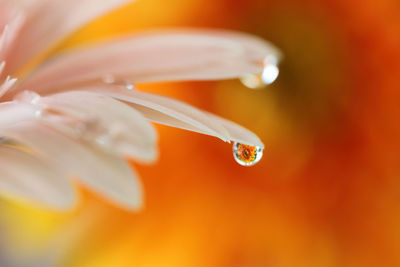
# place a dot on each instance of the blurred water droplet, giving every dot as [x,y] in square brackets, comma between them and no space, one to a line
[253,81]
[108,136]
[39,113]
[32,98]
[93,130]
[247,155]
[110,79]
[28,97]
[129,86]
[105,140]
[268,75]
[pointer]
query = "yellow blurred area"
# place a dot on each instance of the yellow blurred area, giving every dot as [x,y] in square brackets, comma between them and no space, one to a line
[326,193]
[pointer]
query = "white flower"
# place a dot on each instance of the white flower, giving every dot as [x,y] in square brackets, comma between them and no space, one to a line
[75,116]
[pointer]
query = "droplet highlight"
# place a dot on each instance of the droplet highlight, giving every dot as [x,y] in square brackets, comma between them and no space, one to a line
[268,75]
[247,155]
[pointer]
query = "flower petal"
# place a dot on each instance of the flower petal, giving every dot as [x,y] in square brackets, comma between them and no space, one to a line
[9,34]
[27,177]
[108,123]
[12,113]
[174,113]
[158,56]
[238,133]
[49,21]
[103,172]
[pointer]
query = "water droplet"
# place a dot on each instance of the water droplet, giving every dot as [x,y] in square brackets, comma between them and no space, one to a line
[32,98]
[93,130]
[108,136]
[247,155]
[110,79]
[253,81]
[268,75]
[104,140]
[28,97]
[129,86]
[38,113]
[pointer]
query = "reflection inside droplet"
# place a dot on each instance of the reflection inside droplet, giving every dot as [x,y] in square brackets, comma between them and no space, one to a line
[247,155]
[268,75]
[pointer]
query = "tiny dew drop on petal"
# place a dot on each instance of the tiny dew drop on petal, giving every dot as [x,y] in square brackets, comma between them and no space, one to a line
[31,98]
[110,79]
[268,75]
[247,155]
[28,97]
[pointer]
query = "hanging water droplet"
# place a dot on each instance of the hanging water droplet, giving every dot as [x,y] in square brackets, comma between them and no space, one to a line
[268,75]
[252,81]
[247,155]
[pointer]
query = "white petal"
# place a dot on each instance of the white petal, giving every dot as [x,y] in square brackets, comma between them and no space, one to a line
[27,177]
[178,114]
[12,113]
[49,21]
[104,173]
[158,56]
[102,117]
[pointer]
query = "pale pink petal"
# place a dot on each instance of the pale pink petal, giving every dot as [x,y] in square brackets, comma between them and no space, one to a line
[107,123]
[12,113]
[103,172]
[158,56]
[238,133]
[24,176]
[49,21]
[178,114]
[9,34]
[166,111]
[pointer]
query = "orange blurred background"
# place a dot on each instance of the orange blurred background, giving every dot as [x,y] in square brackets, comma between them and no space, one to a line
[326,193]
